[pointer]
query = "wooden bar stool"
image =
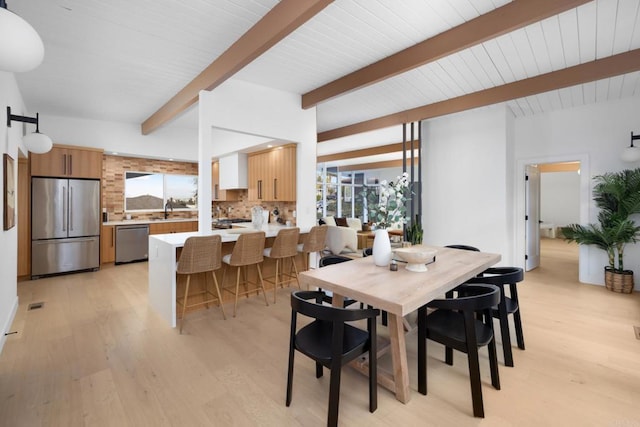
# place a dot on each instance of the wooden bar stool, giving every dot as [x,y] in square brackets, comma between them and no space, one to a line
[285,247]
[313,243]
[200,254]
[247,251]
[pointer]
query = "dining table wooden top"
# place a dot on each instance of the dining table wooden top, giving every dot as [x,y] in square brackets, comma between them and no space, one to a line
[400,292]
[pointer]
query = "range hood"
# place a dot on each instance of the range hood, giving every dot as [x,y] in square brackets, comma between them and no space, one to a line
[233,172]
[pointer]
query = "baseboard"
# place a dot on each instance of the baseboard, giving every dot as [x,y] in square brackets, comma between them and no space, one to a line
[7,324]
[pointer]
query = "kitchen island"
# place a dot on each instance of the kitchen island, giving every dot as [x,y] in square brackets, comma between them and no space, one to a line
[163,255]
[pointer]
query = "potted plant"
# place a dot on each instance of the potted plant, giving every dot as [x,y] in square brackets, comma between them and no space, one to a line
[618,197]
[414,232]
[386,207]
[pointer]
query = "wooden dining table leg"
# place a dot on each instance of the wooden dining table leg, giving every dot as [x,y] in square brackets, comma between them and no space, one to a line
[399,358]
[400,381]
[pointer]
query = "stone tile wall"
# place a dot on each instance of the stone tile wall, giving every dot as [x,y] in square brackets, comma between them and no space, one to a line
[242,208]
[113,170]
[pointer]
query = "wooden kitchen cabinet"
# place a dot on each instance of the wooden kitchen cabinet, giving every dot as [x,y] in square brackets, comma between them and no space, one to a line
[272,175]
[68,161]
[218,195]
[172,227]
[107,244]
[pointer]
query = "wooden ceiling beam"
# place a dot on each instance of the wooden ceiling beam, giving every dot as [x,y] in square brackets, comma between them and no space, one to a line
[365,152]
[611,66]
[376,165]
[278,23]
[502,20]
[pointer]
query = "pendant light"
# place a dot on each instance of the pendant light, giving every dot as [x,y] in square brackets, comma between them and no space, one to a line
[631,153]
[21,48]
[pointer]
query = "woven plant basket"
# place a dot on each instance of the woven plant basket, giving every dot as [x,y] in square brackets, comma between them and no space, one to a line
[618,281]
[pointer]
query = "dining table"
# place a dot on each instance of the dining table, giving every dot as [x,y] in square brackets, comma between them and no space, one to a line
[399,293]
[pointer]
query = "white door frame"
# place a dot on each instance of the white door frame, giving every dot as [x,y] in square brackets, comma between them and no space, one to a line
[585,201]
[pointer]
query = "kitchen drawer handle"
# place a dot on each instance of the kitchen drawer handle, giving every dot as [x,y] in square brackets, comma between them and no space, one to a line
[64,164]
[70,164]
[259,189]
[275,188]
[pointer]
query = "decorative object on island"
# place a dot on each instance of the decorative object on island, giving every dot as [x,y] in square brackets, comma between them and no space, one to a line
[9,192]
[257,217]
[631,153]
[617,195]
[414,231]
[35,142]
[416,257]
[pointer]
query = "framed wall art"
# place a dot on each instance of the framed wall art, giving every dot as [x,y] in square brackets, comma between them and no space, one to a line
[9,192]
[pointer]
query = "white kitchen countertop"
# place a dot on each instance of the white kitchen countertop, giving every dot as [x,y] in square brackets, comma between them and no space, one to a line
[228,235]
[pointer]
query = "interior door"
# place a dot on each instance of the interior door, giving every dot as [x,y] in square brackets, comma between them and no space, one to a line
[532,217]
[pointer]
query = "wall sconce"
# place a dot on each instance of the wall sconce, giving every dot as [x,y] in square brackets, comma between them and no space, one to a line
[35,142]
[21,48]
[631,153]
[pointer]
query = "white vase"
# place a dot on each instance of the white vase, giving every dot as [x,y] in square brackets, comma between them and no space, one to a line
[382,248]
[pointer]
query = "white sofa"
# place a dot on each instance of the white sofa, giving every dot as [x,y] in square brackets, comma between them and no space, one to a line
[342,239]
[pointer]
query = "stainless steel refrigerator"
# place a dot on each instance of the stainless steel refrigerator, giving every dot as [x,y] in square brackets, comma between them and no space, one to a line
[65,225]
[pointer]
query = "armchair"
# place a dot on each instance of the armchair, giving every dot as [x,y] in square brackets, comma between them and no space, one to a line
[341,239]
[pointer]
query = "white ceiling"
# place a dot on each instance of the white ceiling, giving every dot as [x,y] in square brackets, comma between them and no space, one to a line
[122,60]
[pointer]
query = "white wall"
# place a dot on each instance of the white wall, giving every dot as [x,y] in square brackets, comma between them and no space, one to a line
[594,134]
[465,168]
[560,198]
[168,142]
[256,111]
[10,143]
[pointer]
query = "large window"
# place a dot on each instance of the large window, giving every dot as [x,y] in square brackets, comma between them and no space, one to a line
[145,191]
[341,193]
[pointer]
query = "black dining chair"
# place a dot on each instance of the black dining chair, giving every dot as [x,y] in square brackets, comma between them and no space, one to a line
[331,260]
[449,294]
[503,277]
[464,324]
[332,343]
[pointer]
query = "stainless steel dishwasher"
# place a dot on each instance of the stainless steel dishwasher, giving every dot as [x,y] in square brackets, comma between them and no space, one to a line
[132,243]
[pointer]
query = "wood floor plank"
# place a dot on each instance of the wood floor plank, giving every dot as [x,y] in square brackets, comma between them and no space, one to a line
[96,354]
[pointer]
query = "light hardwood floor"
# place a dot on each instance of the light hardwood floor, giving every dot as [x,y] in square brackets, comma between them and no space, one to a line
[96,354]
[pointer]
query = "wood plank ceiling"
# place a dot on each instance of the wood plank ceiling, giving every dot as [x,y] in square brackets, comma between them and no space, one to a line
[135,55]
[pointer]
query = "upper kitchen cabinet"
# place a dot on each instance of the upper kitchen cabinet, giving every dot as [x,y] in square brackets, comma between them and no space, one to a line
[217,194]
[272,175]
[68,161]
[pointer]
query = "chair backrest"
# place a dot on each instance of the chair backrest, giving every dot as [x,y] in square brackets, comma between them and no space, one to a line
[315,239]
[200,253]
[499,276]
[285,243]
[248,249]
[332,259]
[476,297]
[306,303]
[463,247]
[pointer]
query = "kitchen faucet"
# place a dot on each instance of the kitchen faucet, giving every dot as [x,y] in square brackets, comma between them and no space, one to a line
[167,205]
